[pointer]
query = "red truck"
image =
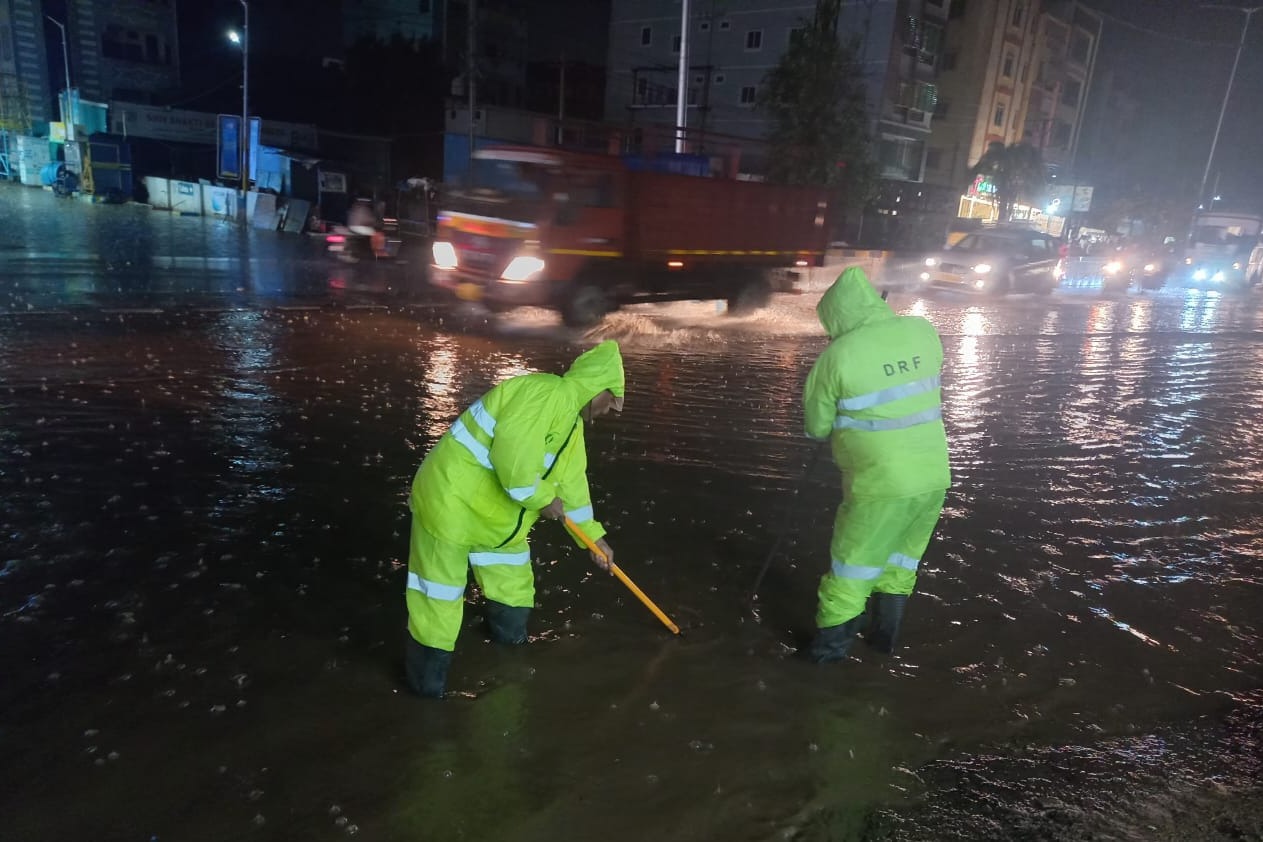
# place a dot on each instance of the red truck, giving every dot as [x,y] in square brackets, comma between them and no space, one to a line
[584,234]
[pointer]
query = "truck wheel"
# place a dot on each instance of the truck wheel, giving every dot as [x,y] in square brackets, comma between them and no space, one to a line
[753,295]
[586,306]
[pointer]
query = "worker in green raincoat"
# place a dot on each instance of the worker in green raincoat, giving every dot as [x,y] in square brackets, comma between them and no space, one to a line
[875,393]
[517,453]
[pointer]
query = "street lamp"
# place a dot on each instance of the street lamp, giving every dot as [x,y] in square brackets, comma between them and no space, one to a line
[1249,14]
[67,114]
[242,39]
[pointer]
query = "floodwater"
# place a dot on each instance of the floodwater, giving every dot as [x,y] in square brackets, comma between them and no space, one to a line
[205,531]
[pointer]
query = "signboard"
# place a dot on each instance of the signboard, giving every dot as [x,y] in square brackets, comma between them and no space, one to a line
[256,127]
[1082,198]
[331,182]
[228,147]
[1060,199]
[180,126]
[57,132]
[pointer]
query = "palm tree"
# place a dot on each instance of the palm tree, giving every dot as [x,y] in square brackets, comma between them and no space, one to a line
[1016,171]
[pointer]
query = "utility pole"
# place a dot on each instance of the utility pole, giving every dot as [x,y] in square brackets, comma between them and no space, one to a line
[1249,14]
[561,103]
[682,85]
[243,137]
[471,65]
[67,114]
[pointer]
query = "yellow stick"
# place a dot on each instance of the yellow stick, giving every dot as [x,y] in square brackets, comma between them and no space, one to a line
[622,577]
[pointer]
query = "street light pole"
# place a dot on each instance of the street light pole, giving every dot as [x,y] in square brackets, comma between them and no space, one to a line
[68,113]
[244,136]
[1249,14]
[682,87]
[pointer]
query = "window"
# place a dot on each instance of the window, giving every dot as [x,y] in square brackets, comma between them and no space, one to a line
[754,39]
[1019,14]
[130,45]
[704,26]
[720,78]
[940,108]
[725,25]
[646,36]
[900,157]
[675,44]
[998,120]
[642,88]
[1070,93]
[747,94]
[931,42]
[795,32]
[1080,47]
[918,96]
[1010,62]
[1061,135]
[699,80]
[6,48]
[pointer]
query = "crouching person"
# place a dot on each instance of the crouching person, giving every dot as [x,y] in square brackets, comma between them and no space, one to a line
[516,454]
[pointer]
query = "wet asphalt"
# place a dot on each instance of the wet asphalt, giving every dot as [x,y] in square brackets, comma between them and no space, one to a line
[204,458]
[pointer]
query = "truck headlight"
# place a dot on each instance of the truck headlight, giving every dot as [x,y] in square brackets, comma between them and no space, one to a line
[444,255]
[982,268]
[522,268]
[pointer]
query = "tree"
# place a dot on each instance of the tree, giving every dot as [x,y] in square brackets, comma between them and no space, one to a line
[1015,172]
[815,97]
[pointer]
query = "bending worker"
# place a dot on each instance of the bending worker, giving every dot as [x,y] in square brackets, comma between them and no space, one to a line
[515,454]
[875,392]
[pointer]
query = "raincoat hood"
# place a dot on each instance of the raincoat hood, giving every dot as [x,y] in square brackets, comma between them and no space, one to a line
[851,302]
[596,370]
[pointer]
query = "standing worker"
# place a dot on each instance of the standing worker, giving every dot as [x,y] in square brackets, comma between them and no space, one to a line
[515,454]
[875,391]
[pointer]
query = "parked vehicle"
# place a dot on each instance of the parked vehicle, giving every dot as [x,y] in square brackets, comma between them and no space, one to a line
[583,234]
[996,261]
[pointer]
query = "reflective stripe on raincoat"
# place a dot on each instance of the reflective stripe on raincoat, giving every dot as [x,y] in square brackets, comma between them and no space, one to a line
[510,453]
[875,391]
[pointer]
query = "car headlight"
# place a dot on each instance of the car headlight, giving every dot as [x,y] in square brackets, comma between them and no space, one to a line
[1150,268]
[444,255]
[522,268]
[982,268]
[980,283]
[1113,267]
[1218,277]
[1200,274]
[1236,265]
[1188,261]
[925,276]
[931,262]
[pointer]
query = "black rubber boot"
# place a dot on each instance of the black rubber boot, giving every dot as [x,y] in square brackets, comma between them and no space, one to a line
[426,669]
[507,622]
[834,643]
[887,613]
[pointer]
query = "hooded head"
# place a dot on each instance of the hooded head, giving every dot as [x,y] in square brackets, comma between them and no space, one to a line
[597,370]
[849,303]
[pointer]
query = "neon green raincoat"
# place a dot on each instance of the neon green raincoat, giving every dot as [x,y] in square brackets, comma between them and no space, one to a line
[479,490]
[875,392]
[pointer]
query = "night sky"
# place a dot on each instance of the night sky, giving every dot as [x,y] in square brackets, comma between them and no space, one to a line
[1178,54]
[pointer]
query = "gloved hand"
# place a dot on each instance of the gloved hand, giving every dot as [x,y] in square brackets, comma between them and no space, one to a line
[556,510]
[603,563]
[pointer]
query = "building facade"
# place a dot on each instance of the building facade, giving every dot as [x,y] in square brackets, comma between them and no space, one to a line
[984,86]
[123,49]
[1062,71]
[733,46]
[26,92]
[382,20]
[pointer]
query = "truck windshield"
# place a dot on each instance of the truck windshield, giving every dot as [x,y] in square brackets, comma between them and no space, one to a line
[506,180]
[1235,234]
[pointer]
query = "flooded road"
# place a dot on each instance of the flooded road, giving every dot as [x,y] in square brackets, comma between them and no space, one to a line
[205,527]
